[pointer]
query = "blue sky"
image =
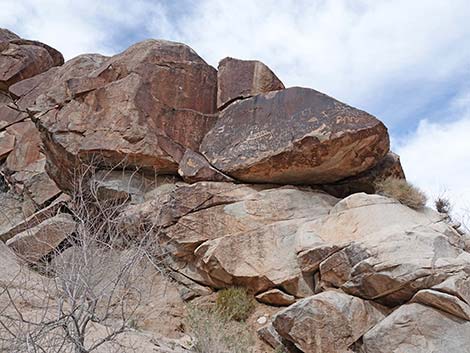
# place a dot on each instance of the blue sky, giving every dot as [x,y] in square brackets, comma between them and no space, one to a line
[405,61]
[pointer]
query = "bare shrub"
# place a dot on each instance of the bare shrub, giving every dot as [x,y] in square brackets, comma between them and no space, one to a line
[235,303]
[214,332]
[88,295]
[403,191]
[443,205]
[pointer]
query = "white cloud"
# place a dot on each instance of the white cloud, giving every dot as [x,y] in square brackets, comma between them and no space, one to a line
[437,159]
[354,50]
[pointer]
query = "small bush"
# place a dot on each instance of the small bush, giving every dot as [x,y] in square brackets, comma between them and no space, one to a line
[213,332]
[402,191]
[443,205]
[235,303]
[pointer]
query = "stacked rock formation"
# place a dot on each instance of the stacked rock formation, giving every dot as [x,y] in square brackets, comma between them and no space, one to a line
[271,189]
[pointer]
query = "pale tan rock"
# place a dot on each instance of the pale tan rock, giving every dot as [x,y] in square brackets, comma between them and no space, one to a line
[416,328]
[115,185]
[275,297]
[258,209]
[36,242]
[443,301]
[18,216]
[269,335]
[388,251]
[327,322]
[260,260]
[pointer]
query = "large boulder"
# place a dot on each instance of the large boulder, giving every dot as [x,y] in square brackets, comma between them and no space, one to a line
[142,108]
[238,79]
[294,136]
[375,248]
[415,328]
[37,242]
[328,322]
[223,234]
[388,167]
[21,59]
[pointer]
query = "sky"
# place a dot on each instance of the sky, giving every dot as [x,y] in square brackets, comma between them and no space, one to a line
[405,61]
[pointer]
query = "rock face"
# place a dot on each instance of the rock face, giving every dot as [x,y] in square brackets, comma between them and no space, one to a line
[377,240]
[416,328]
[328,322]
[142,108]
[239,79]
[355,272]
[21,59]
[225,234]
[297,136]
[389,166]
[39,241]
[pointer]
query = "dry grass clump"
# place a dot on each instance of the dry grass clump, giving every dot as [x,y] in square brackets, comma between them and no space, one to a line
[214,332]
[403,191]
[235,303]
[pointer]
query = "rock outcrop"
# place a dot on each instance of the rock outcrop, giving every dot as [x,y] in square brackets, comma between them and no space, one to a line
[294,136]
[328,322]
[142,108]
[21,59]
[240,183]
[238,79]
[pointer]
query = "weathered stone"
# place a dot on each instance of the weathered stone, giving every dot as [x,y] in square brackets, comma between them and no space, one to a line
[389,251]
[36,242]
[21,59]
[416,328]
[443,301]
[7,143]
[389,166]
[41,189]
[269,335]
[7,35]
[294,136]
[252,211]
[328,322]
[18,216]
[275,297]
[153,101]
[239,79]
[193,167]
[26,153]
[260,260]
[121,186]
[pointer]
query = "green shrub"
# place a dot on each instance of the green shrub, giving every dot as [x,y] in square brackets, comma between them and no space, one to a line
[235,303]
[402,191]
[214,332]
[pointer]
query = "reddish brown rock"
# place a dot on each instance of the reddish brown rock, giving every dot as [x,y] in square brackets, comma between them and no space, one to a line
[7,143]
[6,35]
[142,108]
[389,166]
[27,147]
[193,167]
[294,136]
[239,79]
[21,59]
